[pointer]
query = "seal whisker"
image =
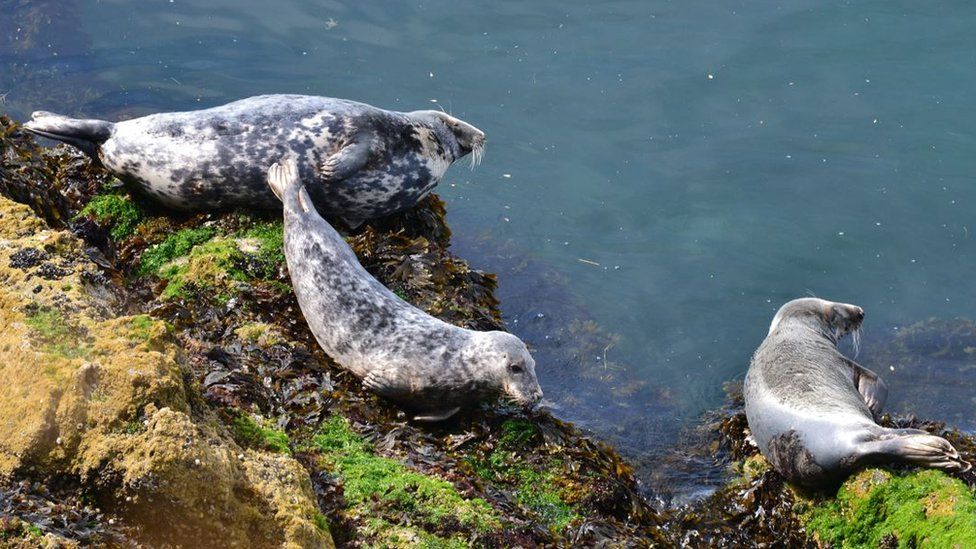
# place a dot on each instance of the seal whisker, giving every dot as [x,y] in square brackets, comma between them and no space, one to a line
[477,154]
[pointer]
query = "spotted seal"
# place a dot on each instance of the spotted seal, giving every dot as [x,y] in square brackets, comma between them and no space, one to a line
[812,410]
[363,161]
[427,366]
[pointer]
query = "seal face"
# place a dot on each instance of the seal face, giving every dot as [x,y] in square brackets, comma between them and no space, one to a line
[812,410]
[361,161]
[427,366]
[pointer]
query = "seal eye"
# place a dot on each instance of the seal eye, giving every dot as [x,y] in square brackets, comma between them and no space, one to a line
[515,368]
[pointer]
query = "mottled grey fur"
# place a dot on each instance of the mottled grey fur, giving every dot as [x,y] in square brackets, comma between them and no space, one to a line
[812,410]
[427,366]
[361,161]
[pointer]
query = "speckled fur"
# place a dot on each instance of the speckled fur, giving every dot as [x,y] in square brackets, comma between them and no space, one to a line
[811,410]
[363,162]
[399,351]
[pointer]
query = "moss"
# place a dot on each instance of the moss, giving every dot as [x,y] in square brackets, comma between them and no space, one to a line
[174,246]
[145,329]
[130,419]
[372,484]
[56,335]
[33,531]
[534,489]
[116,210]
[919,509]
[259,434]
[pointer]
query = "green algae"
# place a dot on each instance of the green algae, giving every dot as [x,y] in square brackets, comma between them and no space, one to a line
[141,327]
[385,489]
[259,333]
[270,252]
[534,485]
[915,509]
[55,334]
[258,433]
[516,433]
[116,210]
[175,245]
[208,266]
[203,260]
[387,535]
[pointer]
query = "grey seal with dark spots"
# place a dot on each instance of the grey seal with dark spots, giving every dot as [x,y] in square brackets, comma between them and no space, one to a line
[812,410]
[425,365]
[360,161]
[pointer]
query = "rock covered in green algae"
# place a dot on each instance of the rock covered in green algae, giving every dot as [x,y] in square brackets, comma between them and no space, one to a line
[878,508]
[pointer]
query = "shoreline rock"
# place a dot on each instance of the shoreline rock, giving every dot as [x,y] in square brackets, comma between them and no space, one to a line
[173,338]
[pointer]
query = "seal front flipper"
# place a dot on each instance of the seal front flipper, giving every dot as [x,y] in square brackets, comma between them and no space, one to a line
[85,135]
[437,416]
[346,161]
[872,388]
[382,382]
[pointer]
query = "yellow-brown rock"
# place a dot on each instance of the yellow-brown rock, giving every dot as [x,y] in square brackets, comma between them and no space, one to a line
[103,396]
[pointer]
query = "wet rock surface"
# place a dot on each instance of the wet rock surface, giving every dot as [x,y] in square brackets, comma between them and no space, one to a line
[234,380]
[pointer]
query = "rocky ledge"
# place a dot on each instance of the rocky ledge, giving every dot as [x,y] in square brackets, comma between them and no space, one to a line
[162,389]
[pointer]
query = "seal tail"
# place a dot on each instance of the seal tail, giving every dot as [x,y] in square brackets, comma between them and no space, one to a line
[86,135]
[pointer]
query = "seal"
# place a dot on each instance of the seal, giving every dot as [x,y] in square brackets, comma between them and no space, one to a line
[425,365]
[365,162]
[812,410]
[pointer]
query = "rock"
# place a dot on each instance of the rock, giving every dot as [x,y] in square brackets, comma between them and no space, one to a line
[108,399]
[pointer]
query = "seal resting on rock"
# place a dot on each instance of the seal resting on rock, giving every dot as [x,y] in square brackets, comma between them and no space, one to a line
[812,410]
[427,366]
[361,161]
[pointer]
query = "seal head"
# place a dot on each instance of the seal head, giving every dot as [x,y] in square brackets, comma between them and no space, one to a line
[510,363]
[459,137]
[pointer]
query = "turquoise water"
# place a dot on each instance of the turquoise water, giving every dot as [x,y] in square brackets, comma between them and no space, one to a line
[673,170]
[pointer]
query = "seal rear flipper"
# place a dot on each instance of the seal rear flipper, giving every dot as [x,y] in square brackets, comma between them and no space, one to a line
[924,450]
[284,180]
[86,135]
